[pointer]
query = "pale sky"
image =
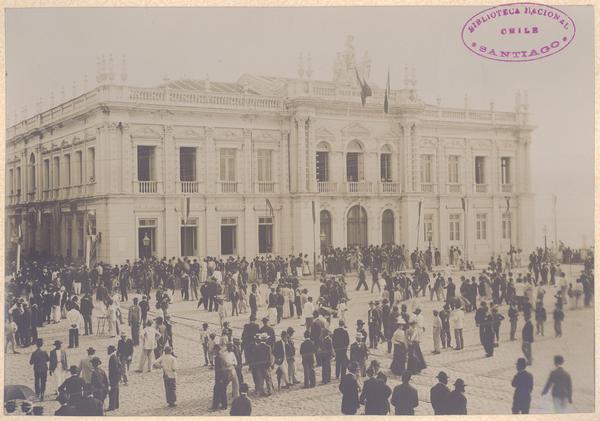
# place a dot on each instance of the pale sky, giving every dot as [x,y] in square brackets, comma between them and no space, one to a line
[47,49]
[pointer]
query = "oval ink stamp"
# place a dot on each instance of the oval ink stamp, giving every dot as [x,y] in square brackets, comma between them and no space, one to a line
[518,32]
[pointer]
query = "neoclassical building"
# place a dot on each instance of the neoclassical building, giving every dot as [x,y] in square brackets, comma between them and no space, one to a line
[266,165]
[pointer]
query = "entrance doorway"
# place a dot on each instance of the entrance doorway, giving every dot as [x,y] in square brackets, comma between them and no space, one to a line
[357,227]
[146,242]
[228,236]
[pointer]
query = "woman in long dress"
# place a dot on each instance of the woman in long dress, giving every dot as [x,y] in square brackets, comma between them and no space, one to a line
[286,302]
[305,266]
[398,366]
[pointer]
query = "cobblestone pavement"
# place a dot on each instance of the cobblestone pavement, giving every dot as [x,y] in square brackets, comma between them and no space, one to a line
[488,379]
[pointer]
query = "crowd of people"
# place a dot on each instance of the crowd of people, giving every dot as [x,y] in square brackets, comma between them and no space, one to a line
[45,292]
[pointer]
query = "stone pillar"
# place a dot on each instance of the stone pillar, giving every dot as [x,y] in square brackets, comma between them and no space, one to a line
[114,140]
[129,160]
[301,154]
[284,179]
[312,156]
[211,162]
[169,175]
[172,226]
[415,158]
[247,160]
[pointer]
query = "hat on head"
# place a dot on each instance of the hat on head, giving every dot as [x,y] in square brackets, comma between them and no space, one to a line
[111,348]
[460,384]
[57,342]
[360,322]
[442,376]
[96,361]
[263,336]
[91,350]
[371,303]
[74,369]
[265,319]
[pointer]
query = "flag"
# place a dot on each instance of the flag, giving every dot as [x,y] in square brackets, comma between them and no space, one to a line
[365,89]
[419,220]
[507,205]
[39,216]
[387,94]
[313,212]
[19,234]
[464,204]
[269,206]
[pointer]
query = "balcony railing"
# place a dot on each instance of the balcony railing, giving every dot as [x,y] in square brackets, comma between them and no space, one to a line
[147,186]
[188,187]
[227,186]
[427,188]
[389,187]
[264,187]
[327,187]
[507,188]
[481,188]
[454,188]
[359,187]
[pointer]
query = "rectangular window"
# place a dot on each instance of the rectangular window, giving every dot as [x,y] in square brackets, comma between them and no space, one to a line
[354,167]
[91,165]
[428,228]
[145,163]
[426,168]
[505,168]
[386,167]
[265,235]
[189,235]
[479,170]
[263,163]
[56,173]
[11,181]
[453,169]
[322,166]
[227,165]
[228,236]
[67,177]
[454,227]
[78,168]
[506,226]
[46,175]
[187,165]
[18,182]
[481,226]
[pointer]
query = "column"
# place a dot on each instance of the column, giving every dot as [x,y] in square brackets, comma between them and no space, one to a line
[170,169]
[284,179]
[211,161]
[443,230]
[247,161]
[301,154]
[113,139]
[129,166]
[415,158]
[312,156]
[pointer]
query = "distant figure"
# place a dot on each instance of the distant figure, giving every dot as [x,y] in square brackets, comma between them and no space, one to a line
[439,395]
[562,390]
[349,388]
[523,384]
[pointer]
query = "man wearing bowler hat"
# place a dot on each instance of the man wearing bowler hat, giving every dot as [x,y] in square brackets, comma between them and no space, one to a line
[405,397]
[73,386]
[457,402]
[86,367]
[439,395]
[114,376]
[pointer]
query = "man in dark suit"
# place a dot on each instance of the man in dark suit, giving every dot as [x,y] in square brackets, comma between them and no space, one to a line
[134,317]
[359,354]
[252,300]
[523,384]
[125,354]
[281,352]
[405,397]
[349,389]
[87,308]
[241,406]
[457,402]
[65,409]
[89,405]
[325,355]
[39,360]
[374,321]
[114,376]
[375,395]
[439,395]
[307,351]
[527,338]
[562,387]
[73,386]
[248,334]
[341,341]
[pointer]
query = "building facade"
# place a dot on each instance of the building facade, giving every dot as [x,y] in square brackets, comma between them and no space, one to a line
[266,165]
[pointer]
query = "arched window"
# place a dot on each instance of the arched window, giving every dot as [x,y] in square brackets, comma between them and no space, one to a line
[322,162]
[387,227]
[357,226]
[31,174]
[355,168]
[325,235]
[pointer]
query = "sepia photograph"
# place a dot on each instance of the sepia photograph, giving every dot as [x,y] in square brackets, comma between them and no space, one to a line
[299,211]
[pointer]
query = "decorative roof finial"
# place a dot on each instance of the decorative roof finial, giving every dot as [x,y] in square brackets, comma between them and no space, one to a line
[207,83]
[52,103]
[413,76]
[103,70]
[124,68]
[74,89]
[492,105]
[300,66]
[438,100]
[62,94]
[98,70]
[308,66]
[525,101]
[466,101]
[406,77]
[518,101]
[85,82]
